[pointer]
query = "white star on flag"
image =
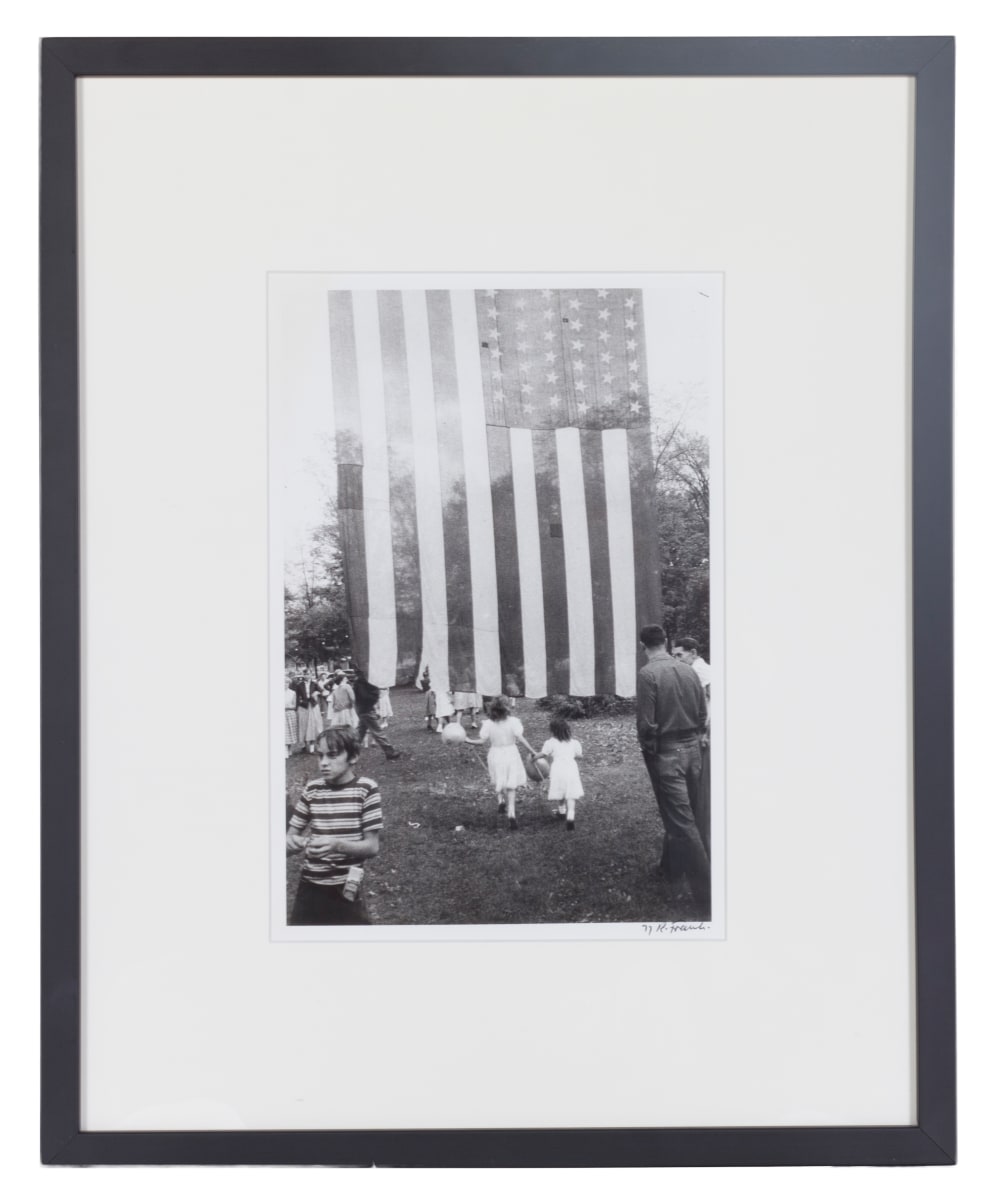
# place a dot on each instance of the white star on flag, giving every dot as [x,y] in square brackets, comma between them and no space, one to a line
[575,304]
[493,333]
[633,365]
[521,326]
[578,365]
[555,401]
[552,377]
[605,356]
[602,293]
[603,336]
[549,315]
[521,303]
[526,388]
[577,344]
[631,344]
[547,293]
[576,325]
[630,323]
[579,385]
[522,347]
[604,314]
[493,312]
[496,352]
[608,378]
[633,386]
[550,356]
[549,335]
[629,302]
[635,407]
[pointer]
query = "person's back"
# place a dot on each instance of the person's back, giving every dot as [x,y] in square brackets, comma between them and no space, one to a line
[501,733]
[671,702]
[366,696]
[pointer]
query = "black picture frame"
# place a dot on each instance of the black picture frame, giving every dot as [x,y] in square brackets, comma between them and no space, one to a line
[929,61]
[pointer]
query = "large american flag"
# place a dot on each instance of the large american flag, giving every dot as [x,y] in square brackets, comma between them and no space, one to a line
[495,486]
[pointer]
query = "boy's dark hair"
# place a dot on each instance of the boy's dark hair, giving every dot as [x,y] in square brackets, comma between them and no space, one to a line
[687,643]
[652,635]
[339,739]
[561,729]
[498,710]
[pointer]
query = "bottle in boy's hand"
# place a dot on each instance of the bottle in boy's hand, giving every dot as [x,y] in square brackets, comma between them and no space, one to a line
[351,887]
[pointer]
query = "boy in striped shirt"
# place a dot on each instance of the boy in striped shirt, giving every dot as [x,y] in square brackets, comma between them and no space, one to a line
[337,821]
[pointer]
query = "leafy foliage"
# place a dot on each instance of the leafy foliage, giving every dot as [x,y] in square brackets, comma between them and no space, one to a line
[574,708]
[683,504]
[316,610]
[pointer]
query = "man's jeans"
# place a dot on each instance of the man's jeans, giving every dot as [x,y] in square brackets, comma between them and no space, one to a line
[675,773]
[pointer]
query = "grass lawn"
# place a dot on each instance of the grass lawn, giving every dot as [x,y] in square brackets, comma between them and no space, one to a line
[448,858]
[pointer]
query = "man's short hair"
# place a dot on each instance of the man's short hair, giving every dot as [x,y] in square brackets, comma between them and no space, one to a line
[687,643]
[652,635]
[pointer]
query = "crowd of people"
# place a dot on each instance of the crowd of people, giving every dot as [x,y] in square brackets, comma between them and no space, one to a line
[337,818]
[338,699]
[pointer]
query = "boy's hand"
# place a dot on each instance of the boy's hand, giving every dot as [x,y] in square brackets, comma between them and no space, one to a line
[323,847]
[294,842]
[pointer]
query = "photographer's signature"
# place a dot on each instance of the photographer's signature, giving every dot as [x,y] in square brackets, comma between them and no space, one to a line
[671,927]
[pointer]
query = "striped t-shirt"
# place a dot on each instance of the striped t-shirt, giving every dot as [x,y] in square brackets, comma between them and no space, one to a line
[349,811]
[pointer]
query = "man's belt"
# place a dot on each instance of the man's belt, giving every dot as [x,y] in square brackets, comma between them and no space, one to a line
[678,735]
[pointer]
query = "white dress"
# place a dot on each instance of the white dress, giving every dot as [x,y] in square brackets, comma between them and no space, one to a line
[565,783]
[505,763]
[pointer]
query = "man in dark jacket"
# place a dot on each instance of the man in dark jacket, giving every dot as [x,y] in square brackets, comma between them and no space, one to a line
[369,723]
[672,716]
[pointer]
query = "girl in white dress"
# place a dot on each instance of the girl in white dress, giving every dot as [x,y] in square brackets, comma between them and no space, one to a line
[505,764]
[565,785]
[444,707]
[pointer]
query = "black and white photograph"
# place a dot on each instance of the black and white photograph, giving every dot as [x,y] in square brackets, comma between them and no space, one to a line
[495,599]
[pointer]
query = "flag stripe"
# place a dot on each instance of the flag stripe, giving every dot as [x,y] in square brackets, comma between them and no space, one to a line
[599,559]
[349,453]
[552,560]
[647,577]
[484,592]
[401,464]
[498,445]
[428,496]
[382,669]
[617,487]
[531,596]
[456,538]
[507,567]
[578,573]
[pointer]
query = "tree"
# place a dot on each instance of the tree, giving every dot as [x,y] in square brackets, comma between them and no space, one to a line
[683,507]
[316,615]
